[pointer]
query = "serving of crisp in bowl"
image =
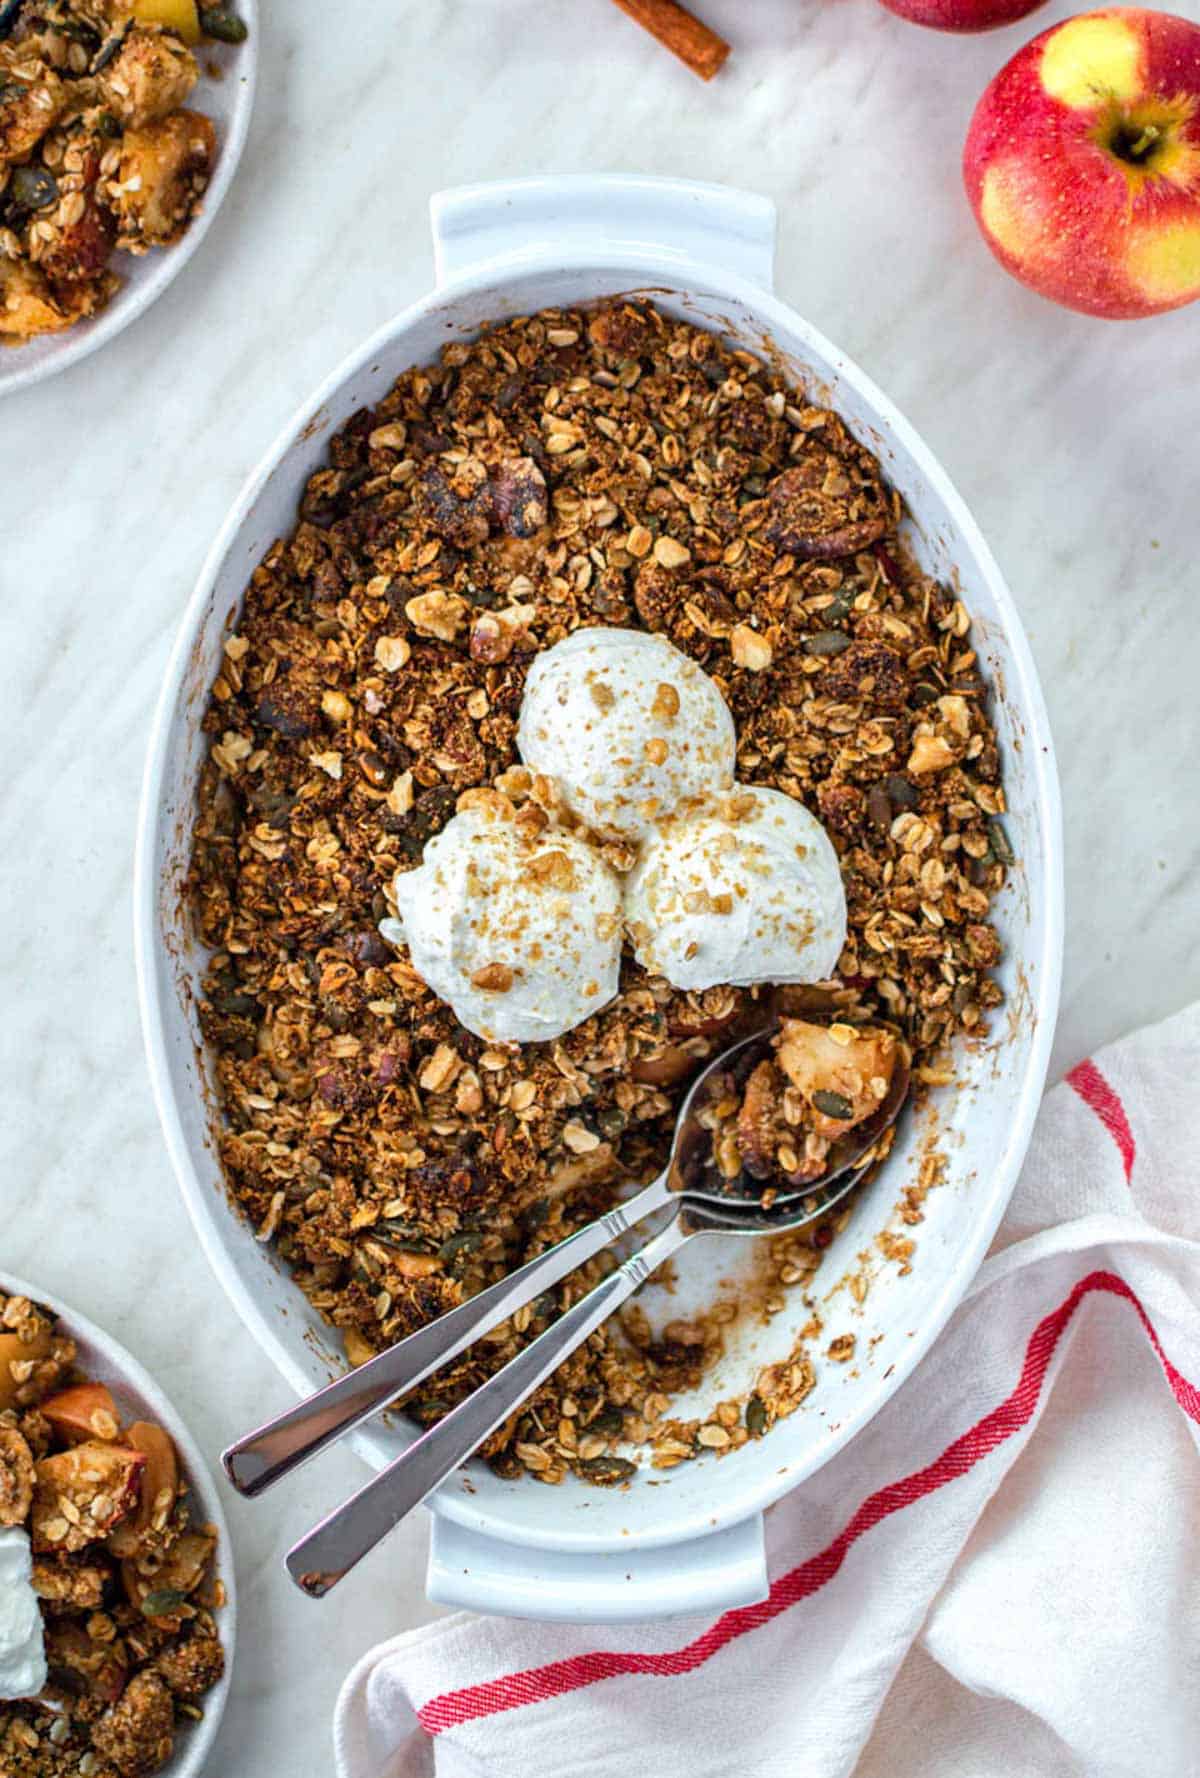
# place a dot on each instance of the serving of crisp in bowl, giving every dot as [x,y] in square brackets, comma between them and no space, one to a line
[601,420]
[120,1610]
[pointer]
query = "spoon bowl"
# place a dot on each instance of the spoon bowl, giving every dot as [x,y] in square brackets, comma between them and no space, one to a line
[850,1158]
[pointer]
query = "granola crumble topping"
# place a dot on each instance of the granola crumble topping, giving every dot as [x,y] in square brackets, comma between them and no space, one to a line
[621,468]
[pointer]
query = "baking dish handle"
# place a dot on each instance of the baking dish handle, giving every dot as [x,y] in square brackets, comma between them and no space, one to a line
[577,216]
[713,1573]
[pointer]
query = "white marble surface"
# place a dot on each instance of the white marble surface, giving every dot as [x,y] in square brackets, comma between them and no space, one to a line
[1074,441]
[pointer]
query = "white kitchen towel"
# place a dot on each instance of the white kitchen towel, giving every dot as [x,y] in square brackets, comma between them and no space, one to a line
[999,1578]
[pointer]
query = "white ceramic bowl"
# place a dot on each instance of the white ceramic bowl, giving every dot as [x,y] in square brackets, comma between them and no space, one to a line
[689,1539]
[228,101]
[139,1397]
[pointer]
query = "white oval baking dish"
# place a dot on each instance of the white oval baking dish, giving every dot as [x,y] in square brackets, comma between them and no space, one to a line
[139,1397]
[689,1539]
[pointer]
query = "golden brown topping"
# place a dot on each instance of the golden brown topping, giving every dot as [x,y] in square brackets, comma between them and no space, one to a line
[82,1494]
[493,978]
[135,1734]
[191,1668]
[670,553]
[749,649]
[930,753]
[437,614]
[16,1477]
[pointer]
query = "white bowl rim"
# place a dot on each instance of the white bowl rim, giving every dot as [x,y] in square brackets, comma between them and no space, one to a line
[653,271]
[132,301]
[188,1759]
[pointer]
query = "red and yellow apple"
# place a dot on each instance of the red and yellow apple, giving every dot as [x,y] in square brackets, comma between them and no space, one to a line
[963,15]
[1082,163]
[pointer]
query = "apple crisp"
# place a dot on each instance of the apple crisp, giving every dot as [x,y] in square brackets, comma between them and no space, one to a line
[98,151]
[122,1572]
[614,467]
[782,1121]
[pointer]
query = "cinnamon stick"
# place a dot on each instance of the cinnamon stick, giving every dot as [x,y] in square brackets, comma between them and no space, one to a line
[681,32]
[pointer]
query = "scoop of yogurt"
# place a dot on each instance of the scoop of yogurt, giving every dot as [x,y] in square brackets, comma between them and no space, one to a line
[628,726]
[519,930]
[745,889]
[22,1647]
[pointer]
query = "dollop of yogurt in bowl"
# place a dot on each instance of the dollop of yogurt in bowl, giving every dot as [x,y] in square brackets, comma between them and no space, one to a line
[745,889]
[516,926]
[22,1645]
[629,727]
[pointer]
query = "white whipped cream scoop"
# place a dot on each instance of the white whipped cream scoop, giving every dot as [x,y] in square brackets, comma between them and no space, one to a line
[745,889]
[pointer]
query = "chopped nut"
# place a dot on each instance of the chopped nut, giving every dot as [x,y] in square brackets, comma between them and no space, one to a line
[337,706]
[437,614]
[669,553]
[579,1139]
[400,796]
[749,649]
[493,978]
[930,753]
[392,653]
[440,1069]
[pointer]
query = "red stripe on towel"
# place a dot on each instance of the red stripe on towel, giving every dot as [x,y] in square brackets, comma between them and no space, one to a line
[1101,1098]
[539,1684]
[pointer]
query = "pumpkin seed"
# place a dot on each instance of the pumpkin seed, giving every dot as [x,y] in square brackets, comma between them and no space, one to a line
[608,1470]
[162,1602]
[925,694]
[609,1423]
[33,188]
[826,642]
[9,10]
[1001,845]
[833,1104]
[459,1247]
[108,126]
[430,1407]
[11,89]
[392,1229]
[842,606]
[106,52]
[755,1416]
[225,26]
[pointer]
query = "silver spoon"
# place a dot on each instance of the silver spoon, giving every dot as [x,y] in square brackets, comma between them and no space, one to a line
[282,1444]
[699,1205]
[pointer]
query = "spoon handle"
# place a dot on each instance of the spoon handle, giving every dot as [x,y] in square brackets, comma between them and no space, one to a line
[328,1553]
[281,1445]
